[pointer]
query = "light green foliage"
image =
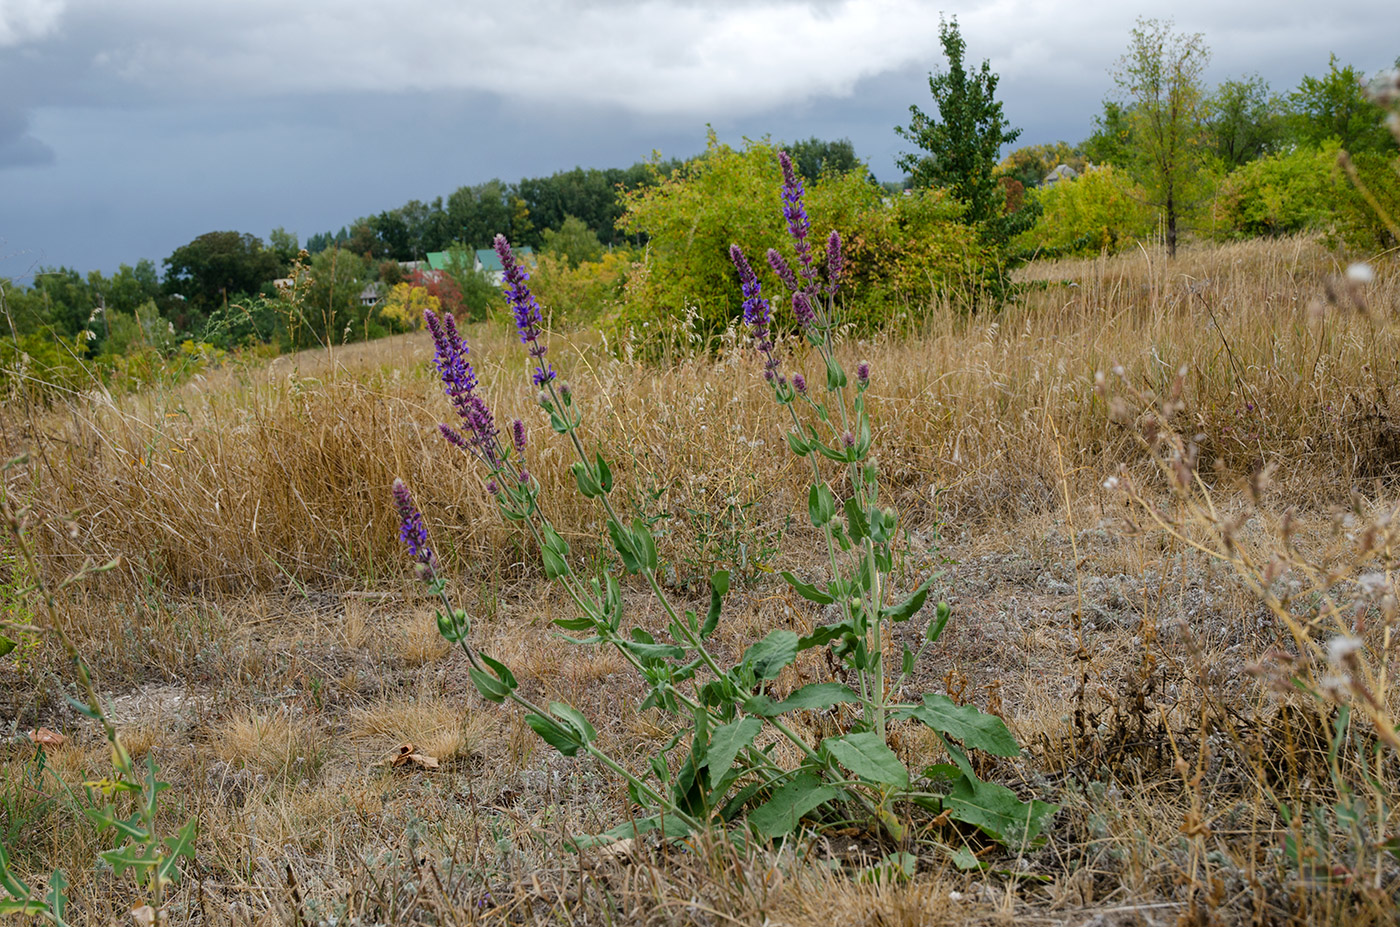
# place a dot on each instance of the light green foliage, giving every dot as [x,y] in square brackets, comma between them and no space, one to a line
[1103,210]
[903,256]
[573,241]
[695,214]
[1335,106]
[1160,78]
[583,293]
[1368,212]
[1279,195]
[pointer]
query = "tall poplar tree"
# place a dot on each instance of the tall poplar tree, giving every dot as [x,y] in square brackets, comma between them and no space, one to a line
[1161,78]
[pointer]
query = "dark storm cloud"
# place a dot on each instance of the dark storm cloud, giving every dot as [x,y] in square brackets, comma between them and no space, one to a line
[157,120]
[18,148]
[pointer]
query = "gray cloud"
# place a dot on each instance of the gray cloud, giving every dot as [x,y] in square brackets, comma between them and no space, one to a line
[163,119]
[18,148]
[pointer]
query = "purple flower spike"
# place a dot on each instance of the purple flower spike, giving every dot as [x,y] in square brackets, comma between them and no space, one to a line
[863,373]
[755,306]
[459,382]
[413,533]
[517,432]
[796,215]
[526,310]
[799,383]
[802,309]
[835,262]
[783,270]
[848,439]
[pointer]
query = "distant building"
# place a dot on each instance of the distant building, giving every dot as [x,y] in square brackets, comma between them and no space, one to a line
[371,294]
[1060,172]
[484,261]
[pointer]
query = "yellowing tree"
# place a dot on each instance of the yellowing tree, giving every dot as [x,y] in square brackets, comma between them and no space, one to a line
[405,304]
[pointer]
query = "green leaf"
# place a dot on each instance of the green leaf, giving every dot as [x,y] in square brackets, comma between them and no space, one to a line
[653,652]
[856,524]
[12,883]
[821,507]
[182,844]
[554,566]
[35,908]
[965,859]
[644,544]
[131,856]
[768,657]
[558,424]
[939,622]
[719,587]
[867,755]
[999,813]
[587,483]
[816,695]
[605,477]
[835,376]
[725,744]
[823,634]
[781,813]
[492,688]
[6,645]
[910,606]
[575,719]
[965,722]
[798,444]
[554,734]
[669,824]
[575,624]
[810,593]
[624,545]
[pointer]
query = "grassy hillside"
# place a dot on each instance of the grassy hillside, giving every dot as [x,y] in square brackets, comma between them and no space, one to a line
[263,639]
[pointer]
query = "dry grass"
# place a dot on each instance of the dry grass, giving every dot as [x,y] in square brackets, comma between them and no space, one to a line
[268,649]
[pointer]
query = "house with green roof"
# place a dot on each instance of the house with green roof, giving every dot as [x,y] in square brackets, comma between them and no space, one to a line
[485,260]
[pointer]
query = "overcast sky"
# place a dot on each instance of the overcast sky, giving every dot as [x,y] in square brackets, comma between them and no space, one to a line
[128,127]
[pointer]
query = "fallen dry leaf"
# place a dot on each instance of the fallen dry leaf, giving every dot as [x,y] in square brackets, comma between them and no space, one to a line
[144,916]
[408,756]
[49,740]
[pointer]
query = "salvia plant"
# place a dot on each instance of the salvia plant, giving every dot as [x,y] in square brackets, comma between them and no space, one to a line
[722,770]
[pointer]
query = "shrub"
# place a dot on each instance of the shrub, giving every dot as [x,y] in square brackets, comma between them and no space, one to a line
[585,292]
[1368,211]
[1102,210]
[1280,194]
[911,249]
[692,216]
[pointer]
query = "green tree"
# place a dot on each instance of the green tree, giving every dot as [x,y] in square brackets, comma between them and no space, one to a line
[1112,141]
[1336,106]
[961,142]
[216,267]
[573,241]
[814,156]
[1243,121]
[1161,78]
[284,244]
